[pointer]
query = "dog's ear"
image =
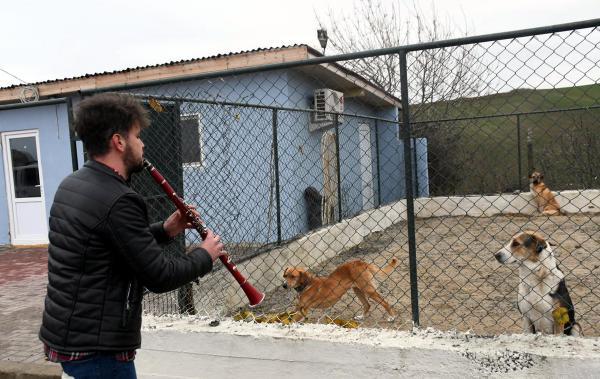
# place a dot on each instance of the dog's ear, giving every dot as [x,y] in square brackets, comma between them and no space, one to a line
[540,242]
[304,278]
[539,247]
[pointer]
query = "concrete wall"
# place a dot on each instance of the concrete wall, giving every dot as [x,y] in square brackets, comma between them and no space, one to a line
[571,202]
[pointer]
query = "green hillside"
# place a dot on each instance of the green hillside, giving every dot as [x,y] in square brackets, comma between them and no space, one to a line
[479,152]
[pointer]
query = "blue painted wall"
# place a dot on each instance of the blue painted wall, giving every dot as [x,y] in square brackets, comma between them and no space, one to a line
[421,169]
[393,185]
[235,190]
[308,169]
[51,122]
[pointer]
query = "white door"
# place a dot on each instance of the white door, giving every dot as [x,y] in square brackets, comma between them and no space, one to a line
[24,187]
[366,166]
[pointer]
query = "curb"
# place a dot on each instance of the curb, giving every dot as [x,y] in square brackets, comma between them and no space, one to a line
[19,370]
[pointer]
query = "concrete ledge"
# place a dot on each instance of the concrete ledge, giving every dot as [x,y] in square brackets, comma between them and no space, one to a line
[20,370]
[188,348]
[571,202]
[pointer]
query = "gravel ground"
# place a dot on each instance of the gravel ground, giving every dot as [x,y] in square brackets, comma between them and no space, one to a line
[461,286]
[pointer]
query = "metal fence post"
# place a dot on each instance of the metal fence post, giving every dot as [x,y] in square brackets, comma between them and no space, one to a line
[377,153]
[276,168]
[416,165]
[405,133]
[72,136]
[530,165]
[520,181]
[339,168]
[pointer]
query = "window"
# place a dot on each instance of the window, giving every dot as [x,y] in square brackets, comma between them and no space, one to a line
[192,153]
[23,152]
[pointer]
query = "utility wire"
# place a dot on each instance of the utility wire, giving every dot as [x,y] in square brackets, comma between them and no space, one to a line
[28,93]
[16,77]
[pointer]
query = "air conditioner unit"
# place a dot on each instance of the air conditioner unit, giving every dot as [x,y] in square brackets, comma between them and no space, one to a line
[327,102]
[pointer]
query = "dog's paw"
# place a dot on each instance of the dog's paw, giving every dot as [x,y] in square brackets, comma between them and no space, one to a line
[576,330]
[391,318]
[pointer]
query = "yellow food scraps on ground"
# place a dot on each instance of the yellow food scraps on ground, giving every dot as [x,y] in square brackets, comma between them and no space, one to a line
[350,324]
[270,318]
[287,318]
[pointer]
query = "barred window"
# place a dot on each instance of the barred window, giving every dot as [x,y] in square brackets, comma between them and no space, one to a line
[191,140]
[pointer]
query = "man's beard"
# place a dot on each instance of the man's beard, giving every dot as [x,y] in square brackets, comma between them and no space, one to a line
[132,165]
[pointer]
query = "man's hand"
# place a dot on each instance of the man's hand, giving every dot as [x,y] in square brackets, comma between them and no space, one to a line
[213,245]
[178,222]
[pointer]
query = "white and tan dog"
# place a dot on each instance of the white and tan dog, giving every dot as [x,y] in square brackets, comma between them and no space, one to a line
[544,198]
[543,298]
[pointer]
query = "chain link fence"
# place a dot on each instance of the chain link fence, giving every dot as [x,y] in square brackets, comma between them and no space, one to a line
[316,163]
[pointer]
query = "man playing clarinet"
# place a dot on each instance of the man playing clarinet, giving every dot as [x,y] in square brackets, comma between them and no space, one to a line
[103,251]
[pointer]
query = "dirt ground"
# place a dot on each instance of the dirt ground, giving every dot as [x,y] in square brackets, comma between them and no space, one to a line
[461,286]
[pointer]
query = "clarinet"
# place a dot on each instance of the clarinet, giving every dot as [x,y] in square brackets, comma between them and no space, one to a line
[255,297]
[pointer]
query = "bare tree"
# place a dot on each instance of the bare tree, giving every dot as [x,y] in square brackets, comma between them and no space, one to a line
[572,159]
[438,79]
[435,76]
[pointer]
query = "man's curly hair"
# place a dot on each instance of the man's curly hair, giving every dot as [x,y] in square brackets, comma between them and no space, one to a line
[99,117]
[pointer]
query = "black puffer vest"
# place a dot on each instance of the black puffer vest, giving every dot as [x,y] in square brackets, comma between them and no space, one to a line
[102,253]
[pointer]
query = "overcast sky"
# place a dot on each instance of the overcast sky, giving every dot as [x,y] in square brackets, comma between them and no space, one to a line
[43,40]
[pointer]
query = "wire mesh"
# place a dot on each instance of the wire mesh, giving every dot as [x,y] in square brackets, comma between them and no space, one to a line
[304,169]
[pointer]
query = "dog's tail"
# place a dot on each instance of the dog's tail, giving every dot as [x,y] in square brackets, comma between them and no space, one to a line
[385,272]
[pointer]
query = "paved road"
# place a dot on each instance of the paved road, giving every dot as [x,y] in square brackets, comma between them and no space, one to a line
[23,279]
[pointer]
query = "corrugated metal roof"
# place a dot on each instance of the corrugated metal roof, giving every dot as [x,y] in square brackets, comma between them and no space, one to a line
[172,63]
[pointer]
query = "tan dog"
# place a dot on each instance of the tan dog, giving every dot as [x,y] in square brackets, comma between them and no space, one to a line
[543,298]
[324,292]
[544,198]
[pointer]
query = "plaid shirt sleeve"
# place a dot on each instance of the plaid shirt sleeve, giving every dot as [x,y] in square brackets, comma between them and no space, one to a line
[61,356]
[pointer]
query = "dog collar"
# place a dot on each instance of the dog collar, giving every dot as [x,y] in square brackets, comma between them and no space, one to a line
[300,288]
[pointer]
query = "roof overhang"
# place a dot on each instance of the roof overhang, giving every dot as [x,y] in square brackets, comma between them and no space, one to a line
[331,75]
[335,76]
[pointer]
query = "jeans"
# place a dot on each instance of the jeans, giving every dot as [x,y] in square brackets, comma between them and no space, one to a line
[99,366]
